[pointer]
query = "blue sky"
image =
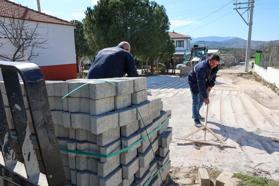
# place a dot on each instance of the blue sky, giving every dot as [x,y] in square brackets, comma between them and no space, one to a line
[197,18]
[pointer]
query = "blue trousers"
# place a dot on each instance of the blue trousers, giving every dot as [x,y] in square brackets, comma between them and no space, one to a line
[197,101]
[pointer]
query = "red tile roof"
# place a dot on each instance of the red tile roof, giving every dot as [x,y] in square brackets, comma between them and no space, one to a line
[14,10]
[174,35]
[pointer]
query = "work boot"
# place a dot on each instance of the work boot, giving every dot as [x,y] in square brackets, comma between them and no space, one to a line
[197,123]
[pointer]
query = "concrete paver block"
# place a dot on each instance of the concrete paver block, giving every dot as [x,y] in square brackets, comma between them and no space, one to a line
[79,105]
[56,103]
[83,178]
[114,178]
[127,116]
[126,141]
[101,89]
[122,101]
[165,170]
[123,86]
[82,92]
[73,177]
[57,117]
[129,129]
[108,149]
[139,97]
[92,164]
[67,173]
[143,110]
[66,119]
[139,83]
[165,138]
[146,157]
[142,170]
[163,160]
[105,168]
[60,131]
[81,134]
[162,152]
[144,122]
[80,121]
[108,136]
[72,133]
[93,179]
[92,138]
[130,169]
[56,88]
[81,163]
[156,105]
[147,175]
[65,159]
[101,123]
[126,182]
[127,157]
[86,178]
[101,106]
[224,178]
[146,143]
[203,177]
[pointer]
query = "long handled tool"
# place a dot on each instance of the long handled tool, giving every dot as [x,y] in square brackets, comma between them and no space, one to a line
[205,128]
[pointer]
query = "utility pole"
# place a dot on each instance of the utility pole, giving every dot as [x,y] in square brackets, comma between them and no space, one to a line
[242,8]
[39,5]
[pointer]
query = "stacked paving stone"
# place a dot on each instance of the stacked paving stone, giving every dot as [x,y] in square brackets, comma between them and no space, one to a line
[109,132]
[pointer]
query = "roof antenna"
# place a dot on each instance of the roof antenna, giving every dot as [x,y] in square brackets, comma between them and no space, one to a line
[39,5]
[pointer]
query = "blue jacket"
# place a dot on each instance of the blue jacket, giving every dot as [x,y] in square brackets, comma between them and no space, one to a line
[112,62]
[202,77]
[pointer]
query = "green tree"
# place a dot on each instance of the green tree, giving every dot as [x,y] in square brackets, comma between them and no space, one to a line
[82,48]
[142,23]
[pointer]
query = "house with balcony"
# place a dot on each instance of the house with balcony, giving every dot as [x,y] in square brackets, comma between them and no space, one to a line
[182,44]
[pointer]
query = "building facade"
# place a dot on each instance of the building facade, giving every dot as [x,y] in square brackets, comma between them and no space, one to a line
[182,45]
[56,56]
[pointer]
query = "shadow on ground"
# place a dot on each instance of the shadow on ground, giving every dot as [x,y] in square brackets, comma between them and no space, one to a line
[167,82]
[245,138]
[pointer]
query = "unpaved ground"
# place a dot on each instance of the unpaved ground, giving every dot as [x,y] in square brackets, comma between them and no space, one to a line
[243,112]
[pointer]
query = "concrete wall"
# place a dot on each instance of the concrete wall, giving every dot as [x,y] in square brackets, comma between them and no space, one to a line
[270,74]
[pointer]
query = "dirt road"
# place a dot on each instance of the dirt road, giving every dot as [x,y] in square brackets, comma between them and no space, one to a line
[242,111]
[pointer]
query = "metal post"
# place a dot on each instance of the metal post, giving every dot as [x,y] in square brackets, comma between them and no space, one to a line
[248,47]
[39,5]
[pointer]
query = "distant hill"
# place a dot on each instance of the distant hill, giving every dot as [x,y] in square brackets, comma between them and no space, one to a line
[227,42]
[211,38]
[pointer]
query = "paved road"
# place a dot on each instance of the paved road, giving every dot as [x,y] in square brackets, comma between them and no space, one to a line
[242,111]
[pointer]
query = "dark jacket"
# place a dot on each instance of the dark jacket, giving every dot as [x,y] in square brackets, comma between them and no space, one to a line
[112,62]
[202,77]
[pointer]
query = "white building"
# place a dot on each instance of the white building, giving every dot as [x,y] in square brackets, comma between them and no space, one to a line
[182,44]
[56,57]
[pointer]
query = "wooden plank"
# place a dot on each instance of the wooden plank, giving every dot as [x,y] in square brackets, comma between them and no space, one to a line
[203,177]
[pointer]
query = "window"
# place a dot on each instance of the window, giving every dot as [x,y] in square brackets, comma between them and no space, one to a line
[180,43]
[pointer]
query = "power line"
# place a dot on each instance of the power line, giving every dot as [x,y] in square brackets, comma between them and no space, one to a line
[216,10]
[221,8]
[210,22]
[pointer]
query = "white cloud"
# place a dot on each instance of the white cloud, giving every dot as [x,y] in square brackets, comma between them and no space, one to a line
[180,22]
[94,2]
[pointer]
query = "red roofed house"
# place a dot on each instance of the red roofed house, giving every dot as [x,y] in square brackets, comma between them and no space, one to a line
[182,44]
[57,57]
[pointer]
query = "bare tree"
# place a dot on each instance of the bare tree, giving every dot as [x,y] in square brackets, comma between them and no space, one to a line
[21,37]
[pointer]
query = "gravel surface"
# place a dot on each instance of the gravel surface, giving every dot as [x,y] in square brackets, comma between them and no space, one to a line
[242,111]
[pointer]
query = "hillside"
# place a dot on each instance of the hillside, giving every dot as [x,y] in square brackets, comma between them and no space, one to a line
[228,42]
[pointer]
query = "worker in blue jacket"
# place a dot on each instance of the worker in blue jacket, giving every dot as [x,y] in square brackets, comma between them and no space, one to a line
[201,79]
[113,62]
